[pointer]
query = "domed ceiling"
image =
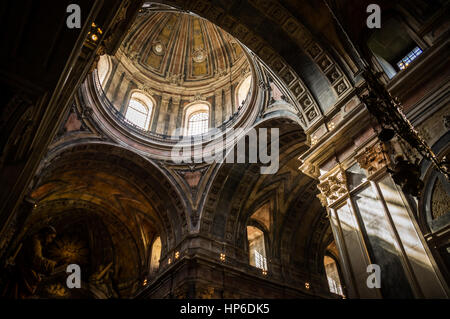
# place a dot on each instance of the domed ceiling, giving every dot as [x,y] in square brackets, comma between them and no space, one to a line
[171,60]
[181,47]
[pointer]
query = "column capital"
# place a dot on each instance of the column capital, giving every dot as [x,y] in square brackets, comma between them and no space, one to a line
[165,98]
[333,187]
[373,158]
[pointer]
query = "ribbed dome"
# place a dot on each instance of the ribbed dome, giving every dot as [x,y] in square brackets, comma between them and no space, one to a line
[176,74]
[181,48]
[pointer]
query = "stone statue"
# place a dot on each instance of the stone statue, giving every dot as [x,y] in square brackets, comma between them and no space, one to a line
[30,265]
[103,281]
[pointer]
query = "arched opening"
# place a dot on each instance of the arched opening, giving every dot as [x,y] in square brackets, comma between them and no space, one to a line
[139,110]
[434,213]
[256,247]
[105,222]
[156,255]
[197,119]
[332,271]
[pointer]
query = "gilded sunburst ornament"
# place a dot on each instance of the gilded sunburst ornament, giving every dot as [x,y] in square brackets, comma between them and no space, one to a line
[70,250]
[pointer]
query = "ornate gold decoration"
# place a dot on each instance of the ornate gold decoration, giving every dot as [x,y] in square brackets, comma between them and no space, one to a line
[173,78]
[440,200]
[57,290]
[180,293]
[207,293]
[198,97]
[70,250]
[333,187]
[93,37]
[310,169]
[373,158]
[323,199]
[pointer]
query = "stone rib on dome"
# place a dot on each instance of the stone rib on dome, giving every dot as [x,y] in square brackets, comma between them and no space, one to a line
[181,47]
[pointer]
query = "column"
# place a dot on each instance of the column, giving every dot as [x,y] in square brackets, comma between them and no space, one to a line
[373,223]
[162,113]
[218,108]
[347,233]
[398,217]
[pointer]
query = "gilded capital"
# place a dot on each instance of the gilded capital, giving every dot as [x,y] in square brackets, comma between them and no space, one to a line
[373,158]
[332,188]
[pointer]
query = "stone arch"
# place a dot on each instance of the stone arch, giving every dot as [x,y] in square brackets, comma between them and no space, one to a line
[99,236]
[142,174]
[433,213]
[299,224]
[228,206]
[432,178]
[311,64]
[96,185]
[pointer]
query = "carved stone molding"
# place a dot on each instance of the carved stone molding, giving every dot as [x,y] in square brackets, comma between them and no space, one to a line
[310,169]
[333,187]
[323,199]
[373,158]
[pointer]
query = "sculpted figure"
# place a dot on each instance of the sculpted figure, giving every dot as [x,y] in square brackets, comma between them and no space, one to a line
[102,280]
[30,265]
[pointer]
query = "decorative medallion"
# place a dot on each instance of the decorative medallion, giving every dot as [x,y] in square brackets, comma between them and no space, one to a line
[158,48]
[199,55]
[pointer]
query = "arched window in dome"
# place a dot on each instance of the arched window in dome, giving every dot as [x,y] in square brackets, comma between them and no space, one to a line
[139,110]
[156,255]
[196,119]
[198,123]
[243,89]
[256,247]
